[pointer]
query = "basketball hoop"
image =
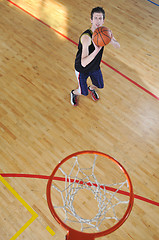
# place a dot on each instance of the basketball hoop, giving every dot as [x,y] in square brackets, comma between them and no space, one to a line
[71,186]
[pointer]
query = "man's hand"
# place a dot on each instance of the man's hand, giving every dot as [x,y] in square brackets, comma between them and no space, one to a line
[115,43]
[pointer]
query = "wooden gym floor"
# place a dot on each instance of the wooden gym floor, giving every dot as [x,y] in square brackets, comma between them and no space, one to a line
[39,126]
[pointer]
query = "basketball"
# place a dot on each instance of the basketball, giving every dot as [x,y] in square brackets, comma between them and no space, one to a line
[102,36]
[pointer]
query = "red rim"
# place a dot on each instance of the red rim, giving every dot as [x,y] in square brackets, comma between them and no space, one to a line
[90,235]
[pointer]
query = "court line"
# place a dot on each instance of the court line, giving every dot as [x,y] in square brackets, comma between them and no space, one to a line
[19,198]
[47,25]
[123,75]
[63,179]
[49,229]
[34,214]
[153,2]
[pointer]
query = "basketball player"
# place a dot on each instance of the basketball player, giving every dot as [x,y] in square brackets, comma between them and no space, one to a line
[88,58]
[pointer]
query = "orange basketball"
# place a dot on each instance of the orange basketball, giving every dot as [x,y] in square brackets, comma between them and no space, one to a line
[102,36]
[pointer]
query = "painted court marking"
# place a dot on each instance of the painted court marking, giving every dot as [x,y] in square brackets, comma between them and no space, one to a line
[50,230]
[33,213]
[153,2]
[63,179]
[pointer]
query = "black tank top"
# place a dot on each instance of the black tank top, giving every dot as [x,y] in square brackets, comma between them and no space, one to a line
[95,63]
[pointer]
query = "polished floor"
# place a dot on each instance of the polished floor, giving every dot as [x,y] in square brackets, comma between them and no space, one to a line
[39,126]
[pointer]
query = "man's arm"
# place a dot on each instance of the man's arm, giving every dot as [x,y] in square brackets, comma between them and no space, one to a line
[86,58]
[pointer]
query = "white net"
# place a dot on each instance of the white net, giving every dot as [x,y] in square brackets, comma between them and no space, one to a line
[76,210]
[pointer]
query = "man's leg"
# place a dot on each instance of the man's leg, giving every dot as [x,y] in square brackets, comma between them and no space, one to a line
[97,82]
[82,88]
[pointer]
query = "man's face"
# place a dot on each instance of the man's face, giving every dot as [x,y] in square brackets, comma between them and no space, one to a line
[97,20]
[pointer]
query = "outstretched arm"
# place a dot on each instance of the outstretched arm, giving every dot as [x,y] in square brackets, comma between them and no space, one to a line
[115,43]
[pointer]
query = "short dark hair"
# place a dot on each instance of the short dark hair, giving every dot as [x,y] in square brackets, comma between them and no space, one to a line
[98,10]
